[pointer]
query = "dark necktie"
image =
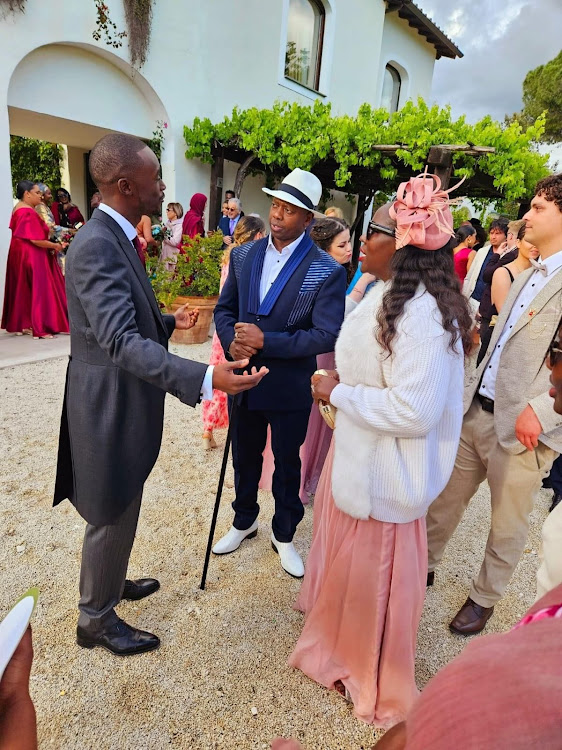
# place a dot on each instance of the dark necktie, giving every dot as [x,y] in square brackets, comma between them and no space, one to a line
[140,252]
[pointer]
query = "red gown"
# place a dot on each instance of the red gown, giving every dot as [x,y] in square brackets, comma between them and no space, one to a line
[34,296]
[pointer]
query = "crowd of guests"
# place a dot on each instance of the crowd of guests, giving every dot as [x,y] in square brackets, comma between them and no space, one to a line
[433,367]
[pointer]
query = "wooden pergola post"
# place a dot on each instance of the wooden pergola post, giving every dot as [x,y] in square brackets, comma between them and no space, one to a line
[440,162]
[215,190]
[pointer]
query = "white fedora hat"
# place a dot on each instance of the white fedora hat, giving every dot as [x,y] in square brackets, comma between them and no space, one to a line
[300,188]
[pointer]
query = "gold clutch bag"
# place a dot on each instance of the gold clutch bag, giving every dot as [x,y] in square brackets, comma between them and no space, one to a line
[327,411]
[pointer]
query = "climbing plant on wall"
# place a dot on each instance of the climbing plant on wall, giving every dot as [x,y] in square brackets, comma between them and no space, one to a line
[138,14]
[12,5]
[291,135]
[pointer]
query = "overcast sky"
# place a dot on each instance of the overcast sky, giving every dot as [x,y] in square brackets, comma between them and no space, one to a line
[502,40]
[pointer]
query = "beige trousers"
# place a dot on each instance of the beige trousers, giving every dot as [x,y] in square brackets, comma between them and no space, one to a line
[549,573]
[514,484]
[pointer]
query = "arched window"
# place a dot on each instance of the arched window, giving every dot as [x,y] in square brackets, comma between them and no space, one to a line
[305,33]
[391,89]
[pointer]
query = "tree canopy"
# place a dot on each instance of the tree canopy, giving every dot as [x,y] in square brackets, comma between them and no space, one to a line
[32,159]
[542,92]
[291,135]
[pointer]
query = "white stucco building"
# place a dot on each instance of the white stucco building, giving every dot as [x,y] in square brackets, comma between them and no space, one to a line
[58,84]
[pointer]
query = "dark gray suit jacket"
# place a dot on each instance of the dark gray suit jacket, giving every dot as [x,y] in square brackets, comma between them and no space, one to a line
[117,377]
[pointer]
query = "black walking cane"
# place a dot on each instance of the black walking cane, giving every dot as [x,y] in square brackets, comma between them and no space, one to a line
[231,418]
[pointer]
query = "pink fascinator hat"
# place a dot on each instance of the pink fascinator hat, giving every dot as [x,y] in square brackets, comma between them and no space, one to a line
[422,213]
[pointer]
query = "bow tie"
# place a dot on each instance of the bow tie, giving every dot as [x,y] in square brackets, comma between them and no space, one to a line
[539,267]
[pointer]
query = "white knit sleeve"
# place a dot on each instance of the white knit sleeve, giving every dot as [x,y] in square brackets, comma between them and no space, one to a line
[414,403]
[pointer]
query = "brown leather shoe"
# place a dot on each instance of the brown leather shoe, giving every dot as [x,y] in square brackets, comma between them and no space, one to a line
[471,618]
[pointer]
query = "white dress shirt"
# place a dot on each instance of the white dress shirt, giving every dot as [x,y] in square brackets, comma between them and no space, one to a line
[273,264]
[131,232]
[535,284]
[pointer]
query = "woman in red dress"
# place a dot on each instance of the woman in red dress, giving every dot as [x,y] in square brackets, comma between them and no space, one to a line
[34,298]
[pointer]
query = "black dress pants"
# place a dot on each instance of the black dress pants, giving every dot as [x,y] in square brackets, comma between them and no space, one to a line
[554,480]
[249,437]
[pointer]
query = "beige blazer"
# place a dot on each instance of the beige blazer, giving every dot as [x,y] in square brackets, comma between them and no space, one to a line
[523,377]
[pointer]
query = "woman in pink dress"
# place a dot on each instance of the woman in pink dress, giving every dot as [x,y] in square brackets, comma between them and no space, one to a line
[465,237]
[215,412]
[398,393]
[34,297]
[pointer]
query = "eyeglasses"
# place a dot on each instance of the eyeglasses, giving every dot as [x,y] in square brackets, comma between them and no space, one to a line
[378,228]
[554,353]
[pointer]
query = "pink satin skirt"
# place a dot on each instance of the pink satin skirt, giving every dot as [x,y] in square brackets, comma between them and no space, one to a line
[363,595]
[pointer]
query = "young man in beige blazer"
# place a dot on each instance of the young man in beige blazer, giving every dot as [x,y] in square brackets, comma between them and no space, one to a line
[510,435]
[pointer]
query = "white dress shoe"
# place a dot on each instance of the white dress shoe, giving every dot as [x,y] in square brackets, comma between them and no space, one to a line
[234,538]
[290,559]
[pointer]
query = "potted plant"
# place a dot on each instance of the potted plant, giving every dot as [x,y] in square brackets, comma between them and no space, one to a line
[195,281]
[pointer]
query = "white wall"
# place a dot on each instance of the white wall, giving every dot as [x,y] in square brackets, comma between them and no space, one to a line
[403,48]
[203,60]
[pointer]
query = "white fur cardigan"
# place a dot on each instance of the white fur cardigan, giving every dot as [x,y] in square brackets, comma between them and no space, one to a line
[399,417]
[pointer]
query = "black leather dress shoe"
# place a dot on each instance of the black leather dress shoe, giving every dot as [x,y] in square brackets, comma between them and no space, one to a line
[135,590]
[430,578]
[121,639]
[556,498]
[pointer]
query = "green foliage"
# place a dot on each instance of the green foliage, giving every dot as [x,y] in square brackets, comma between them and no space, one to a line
[200,265]
[165,283]
[106,28]
[155,143]
[197,270]
[32,159]
[542,93]
[460,214]
[293,135]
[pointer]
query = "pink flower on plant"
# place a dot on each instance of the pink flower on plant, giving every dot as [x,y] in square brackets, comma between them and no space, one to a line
[166,125]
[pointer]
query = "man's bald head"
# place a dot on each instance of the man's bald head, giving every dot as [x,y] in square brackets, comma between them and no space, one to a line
[115,156]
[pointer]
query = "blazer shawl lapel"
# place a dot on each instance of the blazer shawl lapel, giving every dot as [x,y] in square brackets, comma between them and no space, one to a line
[136,264]
[283,278]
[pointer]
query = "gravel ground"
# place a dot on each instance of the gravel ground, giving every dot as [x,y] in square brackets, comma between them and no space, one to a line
[224,651]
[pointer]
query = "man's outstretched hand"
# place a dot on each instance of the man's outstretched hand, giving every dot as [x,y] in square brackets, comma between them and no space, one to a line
[225,379]
[185,318]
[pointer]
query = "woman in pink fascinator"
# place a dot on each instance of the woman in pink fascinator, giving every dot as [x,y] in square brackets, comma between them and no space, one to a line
[398,392]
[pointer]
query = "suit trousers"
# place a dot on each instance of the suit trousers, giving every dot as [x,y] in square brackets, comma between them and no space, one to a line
[249,436]
[514,482]
[549,573]
[105,556]
[554,480]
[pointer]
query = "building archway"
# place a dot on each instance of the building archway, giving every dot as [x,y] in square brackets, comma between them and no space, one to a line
[73,94]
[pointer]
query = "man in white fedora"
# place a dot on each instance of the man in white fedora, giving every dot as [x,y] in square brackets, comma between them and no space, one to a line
[282,305]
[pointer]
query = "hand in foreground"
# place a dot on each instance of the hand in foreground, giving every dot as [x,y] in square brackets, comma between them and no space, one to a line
[227,239]
[322,387]
[249,334]
[528,428]
[224,378]
[239,351]
[17,715]
[186,319]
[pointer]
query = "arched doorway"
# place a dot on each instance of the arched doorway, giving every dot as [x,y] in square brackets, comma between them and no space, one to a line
[74,94]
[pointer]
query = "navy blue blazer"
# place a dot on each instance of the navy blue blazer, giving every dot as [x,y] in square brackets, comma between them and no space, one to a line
[224,225]
[305,321]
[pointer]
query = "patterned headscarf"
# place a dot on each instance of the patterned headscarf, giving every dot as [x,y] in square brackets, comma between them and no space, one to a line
[422,214]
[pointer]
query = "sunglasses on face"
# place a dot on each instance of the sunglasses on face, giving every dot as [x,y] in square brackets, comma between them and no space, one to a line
[375,228]
[554,353]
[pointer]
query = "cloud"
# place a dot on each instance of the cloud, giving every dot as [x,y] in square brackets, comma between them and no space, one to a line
[501,43]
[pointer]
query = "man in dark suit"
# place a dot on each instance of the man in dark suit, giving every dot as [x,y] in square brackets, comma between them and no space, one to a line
[228,223]
[282,304]
[118,374]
